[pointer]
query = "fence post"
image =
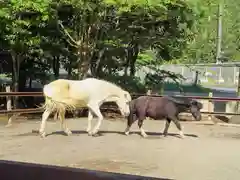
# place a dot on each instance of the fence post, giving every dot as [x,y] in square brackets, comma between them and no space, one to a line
[9,106]
[210,105]
[149,92]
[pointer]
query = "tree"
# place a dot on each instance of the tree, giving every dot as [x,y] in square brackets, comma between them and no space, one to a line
[159,26]
[20,23]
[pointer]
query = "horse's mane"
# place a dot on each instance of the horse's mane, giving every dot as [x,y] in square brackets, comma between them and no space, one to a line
[109,82]
[186,101]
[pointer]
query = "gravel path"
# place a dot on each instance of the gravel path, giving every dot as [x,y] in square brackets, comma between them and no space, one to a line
[207,152]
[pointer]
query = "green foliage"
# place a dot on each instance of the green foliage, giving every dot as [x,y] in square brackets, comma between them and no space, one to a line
[202,49]
[168,86]
[231,32]
[132,84]
[100,36]
[20,19]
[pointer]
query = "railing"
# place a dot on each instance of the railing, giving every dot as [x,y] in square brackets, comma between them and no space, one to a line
[40,94]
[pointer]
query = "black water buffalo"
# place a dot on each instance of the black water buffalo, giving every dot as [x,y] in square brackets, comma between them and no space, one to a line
[159,108]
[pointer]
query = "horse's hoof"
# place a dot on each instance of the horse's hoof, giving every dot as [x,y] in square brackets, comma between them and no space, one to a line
[68,133]
[181,135]
[144,135]
[8,125]
[42,134]
[126,133]
[95,131]
[93,134]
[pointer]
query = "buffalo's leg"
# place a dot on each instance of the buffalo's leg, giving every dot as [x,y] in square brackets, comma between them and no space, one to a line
[177,123]
[165,131]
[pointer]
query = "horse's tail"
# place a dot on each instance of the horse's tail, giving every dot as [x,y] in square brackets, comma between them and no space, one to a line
[53,105]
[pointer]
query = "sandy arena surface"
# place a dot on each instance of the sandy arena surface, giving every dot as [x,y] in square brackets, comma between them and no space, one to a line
[207,152]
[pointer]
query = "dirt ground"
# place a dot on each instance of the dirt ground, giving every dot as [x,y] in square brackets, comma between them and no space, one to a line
[207,152]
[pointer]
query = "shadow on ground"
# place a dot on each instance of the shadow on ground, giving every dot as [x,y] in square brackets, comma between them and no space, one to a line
[102,133]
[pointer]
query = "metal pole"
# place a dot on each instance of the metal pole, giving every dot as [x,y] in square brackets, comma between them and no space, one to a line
[219,33]
[238,90]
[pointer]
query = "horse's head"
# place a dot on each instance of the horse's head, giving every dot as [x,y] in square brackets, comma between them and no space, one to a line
[123,103]
[195,108]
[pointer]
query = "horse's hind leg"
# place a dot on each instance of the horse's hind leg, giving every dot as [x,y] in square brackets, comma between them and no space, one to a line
[177,123]
[64,123]
[45,116]
[165,131]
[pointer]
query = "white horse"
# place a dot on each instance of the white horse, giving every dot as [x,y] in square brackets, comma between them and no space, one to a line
[63,94]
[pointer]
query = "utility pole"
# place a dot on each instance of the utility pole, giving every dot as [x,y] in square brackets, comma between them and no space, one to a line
[219,32]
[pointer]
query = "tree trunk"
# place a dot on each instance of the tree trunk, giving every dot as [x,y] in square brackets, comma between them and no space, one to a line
[98,65]
[69,70]
[56,66]
[15,77]
[22,80]
[196,79]
[84,69]
[83,65]
[126,69]
[30,82]
[133,60]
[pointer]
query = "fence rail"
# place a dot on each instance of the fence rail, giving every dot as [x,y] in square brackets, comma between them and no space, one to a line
[4,94]
[38,110]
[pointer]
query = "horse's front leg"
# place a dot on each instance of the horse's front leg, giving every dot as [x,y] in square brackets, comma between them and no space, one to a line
[45,116]
[98,113]
[177,123]
[131,119]
[165,131]
[90,117]
[140,124]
